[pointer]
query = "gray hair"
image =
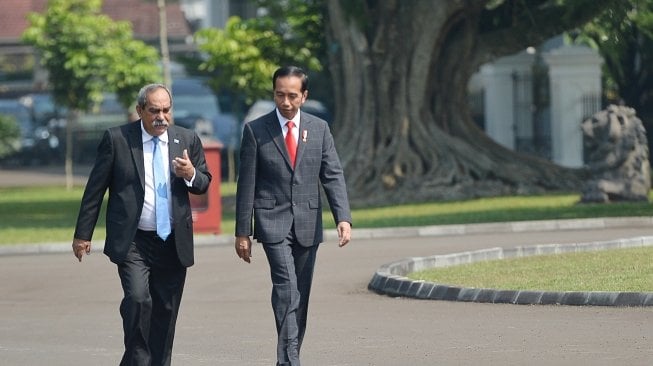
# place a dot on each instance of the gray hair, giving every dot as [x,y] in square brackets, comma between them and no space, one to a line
[149,88]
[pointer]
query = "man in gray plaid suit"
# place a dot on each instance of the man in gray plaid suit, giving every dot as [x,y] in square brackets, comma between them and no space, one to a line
[285,156]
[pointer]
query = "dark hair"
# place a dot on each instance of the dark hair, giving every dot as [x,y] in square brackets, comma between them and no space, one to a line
[149,88]
[290,71]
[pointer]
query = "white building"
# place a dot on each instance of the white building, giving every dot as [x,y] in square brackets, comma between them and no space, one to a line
[214,13]
[519,116]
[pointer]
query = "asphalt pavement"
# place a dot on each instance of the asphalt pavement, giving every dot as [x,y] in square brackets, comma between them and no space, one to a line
[56,311]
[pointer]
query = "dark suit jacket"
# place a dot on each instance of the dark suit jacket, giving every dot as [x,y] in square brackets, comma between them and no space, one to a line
[278,196]
[119,167]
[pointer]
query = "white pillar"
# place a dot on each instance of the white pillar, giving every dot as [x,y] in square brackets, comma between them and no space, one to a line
[508,86]
[209,13]
[575,89]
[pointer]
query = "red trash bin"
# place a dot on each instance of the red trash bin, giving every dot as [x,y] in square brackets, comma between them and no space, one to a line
[207,207]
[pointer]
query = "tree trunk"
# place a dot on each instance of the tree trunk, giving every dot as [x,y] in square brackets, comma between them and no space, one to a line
[163,41]
[403,126]
[71,127]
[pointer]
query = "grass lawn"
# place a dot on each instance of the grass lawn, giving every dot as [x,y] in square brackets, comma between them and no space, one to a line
[36,215]
[48,214]
[608,270]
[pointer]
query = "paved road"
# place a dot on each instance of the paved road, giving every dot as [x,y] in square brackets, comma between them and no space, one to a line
[57,312]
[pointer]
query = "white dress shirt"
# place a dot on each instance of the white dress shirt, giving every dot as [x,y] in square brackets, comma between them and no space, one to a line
[148,216]
[283,120]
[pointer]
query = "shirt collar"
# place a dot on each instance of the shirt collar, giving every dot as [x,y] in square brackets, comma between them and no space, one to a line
[282,120]
[147,137]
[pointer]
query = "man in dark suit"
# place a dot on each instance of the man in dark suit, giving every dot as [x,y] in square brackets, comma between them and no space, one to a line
[149,226]
[285,156]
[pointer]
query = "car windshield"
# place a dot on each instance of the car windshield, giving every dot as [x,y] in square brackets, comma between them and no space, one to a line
[13,108]
[8,105]
[41,107]
[111,105]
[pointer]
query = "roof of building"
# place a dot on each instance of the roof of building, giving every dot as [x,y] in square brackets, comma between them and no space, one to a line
[143,15]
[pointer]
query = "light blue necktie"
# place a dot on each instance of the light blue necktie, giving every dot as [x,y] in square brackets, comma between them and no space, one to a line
[160,192]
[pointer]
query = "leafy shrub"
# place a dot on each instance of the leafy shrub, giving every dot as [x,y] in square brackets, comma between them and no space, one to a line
[9,134]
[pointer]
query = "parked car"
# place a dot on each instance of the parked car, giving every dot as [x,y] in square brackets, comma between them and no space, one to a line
[51,120]
[49,123]
[35,145]
[196,106]
[42,108]
[91,126]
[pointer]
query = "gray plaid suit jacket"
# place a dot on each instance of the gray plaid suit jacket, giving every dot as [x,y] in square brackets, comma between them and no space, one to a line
[275,195]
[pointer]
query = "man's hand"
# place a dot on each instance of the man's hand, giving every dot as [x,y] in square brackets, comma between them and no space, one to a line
[344,233]
[244,248]
[80,247]
[183,167]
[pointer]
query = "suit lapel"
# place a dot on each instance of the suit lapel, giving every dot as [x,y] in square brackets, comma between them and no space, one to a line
[274,129]
[136,144]
[175,147]
[304,127]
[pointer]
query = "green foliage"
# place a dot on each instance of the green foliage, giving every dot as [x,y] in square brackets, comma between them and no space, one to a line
[235,59]
[87,53]
[9,133]
[623,35]
[300,23]
[243,56]
[130,64]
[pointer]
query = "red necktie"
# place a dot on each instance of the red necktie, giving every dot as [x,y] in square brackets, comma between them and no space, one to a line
[291,144]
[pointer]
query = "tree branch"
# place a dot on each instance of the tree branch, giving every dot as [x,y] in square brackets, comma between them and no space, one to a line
[532,23]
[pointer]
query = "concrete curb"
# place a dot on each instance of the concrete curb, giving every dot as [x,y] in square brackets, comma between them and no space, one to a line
[98,246]
[391,232]
[502,227]
[390,278]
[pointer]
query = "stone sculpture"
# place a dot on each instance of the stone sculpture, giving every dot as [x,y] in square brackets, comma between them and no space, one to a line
[616,157]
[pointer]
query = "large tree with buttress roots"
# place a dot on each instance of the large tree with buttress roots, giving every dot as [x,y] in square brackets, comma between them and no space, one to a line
[401,68]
